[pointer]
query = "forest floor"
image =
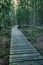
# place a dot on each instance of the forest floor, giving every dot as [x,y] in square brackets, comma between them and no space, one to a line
[35,36]
[4,44]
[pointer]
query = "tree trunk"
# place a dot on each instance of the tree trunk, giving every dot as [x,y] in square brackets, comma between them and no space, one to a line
[34,17]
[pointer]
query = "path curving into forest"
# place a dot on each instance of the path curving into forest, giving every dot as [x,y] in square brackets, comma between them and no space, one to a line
[22,52]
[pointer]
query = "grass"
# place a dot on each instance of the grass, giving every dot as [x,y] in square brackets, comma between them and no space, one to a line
[33,33]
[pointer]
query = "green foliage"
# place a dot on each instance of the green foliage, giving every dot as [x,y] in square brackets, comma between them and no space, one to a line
[23,13]
[30,12]
[32,33]
[5,13]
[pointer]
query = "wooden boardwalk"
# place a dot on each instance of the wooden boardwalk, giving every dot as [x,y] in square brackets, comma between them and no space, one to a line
[22,51]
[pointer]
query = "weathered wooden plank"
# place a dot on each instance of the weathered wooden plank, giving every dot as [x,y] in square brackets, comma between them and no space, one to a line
[22,50]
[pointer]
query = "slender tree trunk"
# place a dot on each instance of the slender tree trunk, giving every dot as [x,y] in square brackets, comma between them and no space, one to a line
[34,17]
[41,12]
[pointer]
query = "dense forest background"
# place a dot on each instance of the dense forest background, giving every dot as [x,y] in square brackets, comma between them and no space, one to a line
[28,12]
